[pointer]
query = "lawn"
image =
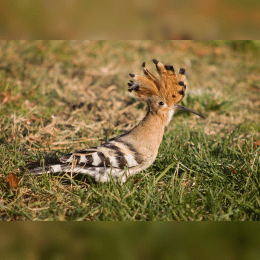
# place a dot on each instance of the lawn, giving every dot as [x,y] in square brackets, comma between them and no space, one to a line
[58,96]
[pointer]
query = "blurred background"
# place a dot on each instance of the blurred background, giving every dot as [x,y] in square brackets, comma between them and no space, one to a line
[100,19]
[129,240]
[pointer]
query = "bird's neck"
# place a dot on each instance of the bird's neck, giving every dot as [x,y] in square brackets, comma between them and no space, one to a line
[151,129]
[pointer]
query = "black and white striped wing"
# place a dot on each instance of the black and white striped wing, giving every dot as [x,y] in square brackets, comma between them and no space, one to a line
[115,153]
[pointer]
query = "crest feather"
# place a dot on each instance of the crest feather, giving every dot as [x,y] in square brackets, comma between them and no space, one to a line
[168,86]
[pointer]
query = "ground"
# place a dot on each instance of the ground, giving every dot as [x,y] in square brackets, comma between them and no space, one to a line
[58,96]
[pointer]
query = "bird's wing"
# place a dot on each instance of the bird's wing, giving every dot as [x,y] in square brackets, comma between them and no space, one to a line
[116,153]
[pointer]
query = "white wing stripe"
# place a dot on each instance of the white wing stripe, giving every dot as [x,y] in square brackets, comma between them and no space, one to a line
[113,161]
[96,159]
[131,162]
[56,168]
[83,159]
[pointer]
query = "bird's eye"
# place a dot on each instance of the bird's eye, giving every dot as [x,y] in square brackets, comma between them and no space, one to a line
[161,103]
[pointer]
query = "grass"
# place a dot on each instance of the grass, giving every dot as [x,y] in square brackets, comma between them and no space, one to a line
[58,96]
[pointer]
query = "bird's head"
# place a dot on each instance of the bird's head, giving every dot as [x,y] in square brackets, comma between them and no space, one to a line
[162,95]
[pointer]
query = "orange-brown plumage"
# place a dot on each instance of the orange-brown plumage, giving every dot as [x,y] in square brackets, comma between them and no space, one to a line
[168,86]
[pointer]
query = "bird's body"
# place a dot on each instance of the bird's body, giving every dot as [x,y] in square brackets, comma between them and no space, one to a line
[129,153]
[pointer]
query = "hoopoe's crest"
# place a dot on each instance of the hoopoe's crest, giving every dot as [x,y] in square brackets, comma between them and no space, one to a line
[129,153]
[168,87]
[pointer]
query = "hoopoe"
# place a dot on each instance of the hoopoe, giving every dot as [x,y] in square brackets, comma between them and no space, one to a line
[135,150]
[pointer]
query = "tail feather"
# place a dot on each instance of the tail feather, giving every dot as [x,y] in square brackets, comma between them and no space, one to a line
[51,169]
[101,174]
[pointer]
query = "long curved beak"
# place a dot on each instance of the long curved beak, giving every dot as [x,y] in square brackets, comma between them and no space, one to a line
[189,110]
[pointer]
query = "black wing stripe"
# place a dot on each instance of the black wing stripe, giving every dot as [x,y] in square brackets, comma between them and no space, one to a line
[104,160]
[135,153]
